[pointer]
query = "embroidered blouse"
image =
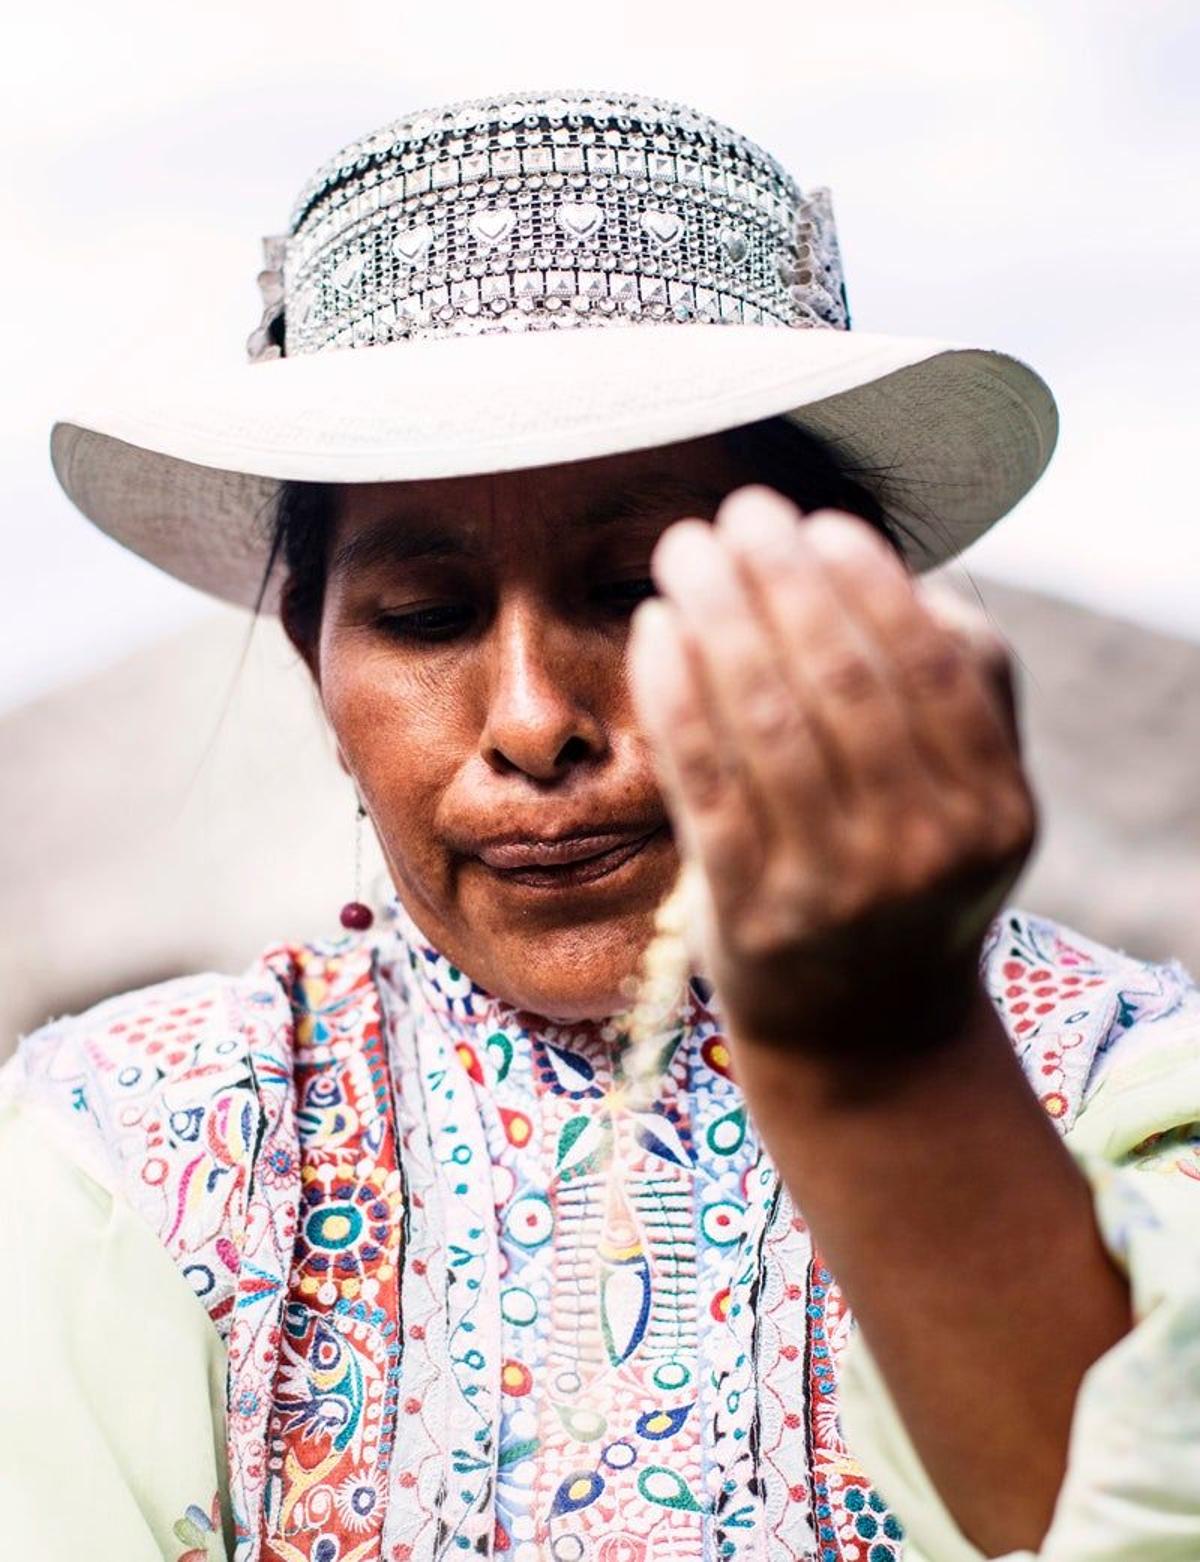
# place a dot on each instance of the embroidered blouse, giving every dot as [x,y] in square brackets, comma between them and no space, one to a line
[346,1259]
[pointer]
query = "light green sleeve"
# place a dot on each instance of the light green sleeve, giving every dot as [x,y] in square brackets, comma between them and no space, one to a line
[112,1387]
[1132,1488]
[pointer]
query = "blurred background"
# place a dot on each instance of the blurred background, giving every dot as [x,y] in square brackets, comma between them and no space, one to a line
[1005,172]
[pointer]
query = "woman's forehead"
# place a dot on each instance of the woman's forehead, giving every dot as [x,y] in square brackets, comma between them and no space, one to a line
[586,495]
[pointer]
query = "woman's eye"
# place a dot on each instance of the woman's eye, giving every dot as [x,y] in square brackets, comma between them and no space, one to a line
[624,595]
[429,623]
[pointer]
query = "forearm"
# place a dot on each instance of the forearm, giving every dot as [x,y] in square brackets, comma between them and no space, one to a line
[963,1236]
[842,765]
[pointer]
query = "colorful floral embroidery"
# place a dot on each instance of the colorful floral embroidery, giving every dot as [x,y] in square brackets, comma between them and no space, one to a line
[447,1329]
[331,1422]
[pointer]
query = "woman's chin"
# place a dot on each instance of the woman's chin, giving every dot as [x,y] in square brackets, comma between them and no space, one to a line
[571,973]
[565,954]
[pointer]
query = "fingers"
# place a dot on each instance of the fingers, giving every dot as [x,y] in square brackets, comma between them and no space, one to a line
[834,669]
[953,717]
[982,645]
[742,684]
[942,676]
[702,782]
[821,725]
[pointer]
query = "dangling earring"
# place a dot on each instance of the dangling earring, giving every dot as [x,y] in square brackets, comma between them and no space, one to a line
[355,915]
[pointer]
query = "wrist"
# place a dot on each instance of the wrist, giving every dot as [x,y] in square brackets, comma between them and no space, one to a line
[904,1051]
[906,1033]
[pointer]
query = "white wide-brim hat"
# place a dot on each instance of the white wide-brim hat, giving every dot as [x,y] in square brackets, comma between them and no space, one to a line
[534,279]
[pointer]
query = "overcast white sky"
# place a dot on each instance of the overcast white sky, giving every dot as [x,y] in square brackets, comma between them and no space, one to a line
[1014,173]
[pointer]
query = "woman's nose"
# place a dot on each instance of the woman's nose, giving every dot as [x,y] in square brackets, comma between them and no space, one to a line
[540,716]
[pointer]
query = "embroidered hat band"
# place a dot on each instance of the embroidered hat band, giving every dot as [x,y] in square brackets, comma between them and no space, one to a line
[536,211]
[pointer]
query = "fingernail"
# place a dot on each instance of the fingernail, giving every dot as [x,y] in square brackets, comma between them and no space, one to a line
[834,532]
[677,542]
[760,522]
[650,623]
[653,653]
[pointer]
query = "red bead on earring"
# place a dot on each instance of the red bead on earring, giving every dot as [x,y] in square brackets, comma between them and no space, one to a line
[355,915]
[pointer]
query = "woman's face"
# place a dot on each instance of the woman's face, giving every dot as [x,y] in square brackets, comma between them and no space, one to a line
[471,660]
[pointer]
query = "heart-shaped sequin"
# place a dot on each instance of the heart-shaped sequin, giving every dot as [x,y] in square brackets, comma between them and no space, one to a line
[348,271]
[412,243]
[664,228]
[493,225]
[734,244]
[579,218]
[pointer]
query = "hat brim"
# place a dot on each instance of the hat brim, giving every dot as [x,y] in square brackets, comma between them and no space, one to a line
[188,479]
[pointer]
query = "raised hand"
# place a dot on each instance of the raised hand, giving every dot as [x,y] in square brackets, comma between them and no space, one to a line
[840,759]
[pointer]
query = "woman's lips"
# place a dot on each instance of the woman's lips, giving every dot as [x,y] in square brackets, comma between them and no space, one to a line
[564,864]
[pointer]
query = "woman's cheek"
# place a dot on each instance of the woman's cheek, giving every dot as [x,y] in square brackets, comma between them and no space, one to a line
[396,732]
[366,693]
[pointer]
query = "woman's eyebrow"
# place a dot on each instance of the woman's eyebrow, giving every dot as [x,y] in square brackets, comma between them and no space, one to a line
[395,539]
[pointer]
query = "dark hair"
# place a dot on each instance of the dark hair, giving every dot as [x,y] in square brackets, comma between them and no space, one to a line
[806,469]
[300,538]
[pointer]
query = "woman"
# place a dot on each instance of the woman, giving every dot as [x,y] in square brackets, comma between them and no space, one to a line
[369,1252]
